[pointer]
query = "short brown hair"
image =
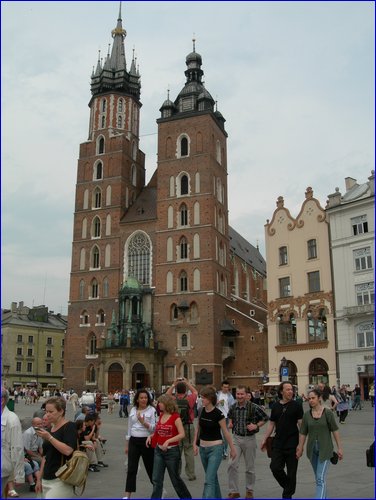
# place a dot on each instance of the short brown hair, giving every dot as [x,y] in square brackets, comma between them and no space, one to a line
[58,402]
[169,403]
[210,394]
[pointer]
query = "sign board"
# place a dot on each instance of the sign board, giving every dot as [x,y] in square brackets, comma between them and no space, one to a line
[285,371]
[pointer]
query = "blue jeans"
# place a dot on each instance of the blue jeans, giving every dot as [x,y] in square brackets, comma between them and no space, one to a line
[211,458]
[169,459]
[321,470]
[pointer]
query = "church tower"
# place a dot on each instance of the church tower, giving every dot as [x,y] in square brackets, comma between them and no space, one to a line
[110,175]
[192,258]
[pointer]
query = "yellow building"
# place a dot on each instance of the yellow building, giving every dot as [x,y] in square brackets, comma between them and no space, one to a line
[32,345]
[301,336]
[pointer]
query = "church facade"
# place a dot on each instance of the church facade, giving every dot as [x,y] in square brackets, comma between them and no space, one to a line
[161,286]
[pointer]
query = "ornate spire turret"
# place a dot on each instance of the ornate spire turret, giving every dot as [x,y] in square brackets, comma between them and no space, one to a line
[113,73]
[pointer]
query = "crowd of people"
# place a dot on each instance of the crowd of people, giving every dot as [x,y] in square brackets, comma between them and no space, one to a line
[162,431]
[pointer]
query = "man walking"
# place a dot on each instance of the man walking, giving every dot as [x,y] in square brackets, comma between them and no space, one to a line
[245,419]
[186,403]
[224,402]
[285,419]
[12,455]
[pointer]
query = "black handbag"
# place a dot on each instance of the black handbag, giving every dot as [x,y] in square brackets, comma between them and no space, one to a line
[334,458]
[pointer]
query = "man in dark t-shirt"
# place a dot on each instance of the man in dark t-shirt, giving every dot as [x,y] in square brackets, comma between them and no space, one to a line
[285,418]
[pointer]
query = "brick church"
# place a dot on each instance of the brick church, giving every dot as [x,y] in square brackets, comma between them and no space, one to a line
[161,286]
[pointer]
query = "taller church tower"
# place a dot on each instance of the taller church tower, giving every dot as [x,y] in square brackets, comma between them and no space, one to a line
[110,175]
[192,267]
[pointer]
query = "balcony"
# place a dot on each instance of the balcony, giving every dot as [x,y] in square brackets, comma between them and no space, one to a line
[228,352]
[359,310]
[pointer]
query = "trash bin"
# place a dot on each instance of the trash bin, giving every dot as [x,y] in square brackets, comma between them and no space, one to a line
[10,404]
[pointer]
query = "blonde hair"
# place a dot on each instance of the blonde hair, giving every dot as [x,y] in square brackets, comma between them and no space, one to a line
[169,403]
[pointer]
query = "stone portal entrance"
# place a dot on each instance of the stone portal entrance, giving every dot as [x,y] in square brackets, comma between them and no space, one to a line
[115,377]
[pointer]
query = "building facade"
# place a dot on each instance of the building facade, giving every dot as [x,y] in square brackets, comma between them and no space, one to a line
[161,285]
[301,336]
[32,342]
[352,234]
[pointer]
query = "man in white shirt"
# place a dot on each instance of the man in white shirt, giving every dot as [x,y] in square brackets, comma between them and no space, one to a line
[32,442]
[224,402]
[12,455]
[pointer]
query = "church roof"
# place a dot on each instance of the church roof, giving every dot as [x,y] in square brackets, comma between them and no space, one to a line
[144,208]
[244,250]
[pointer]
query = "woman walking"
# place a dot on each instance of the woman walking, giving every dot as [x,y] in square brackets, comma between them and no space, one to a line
[209,438]
[141,425]
[343,405]
[168,432]
[319,423]
[58,446]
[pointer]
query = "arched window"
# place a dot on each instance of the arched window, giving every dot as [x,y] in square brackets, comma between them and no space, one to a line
[218,152]
[183,215]
[97,198]
[174,312]
[84,317]
[287,330]
[92,347]
[169,249]
[103,121]
[95,257]
[184,146]
[172,185]
[196,246]
[138,256]
[100,317]
[96,228]
[108,195]
[197,182]
[82,289]
[100,145]
[196,280]
[119,122]
[169,282]
[82,259]
[103,105]
[134,175]
[86,199]
[94,289]
[184,340]
[170,217]
[196,213]
[183,247]
[318,371]
[91,374]
[108,225]
[106,288]
[184,184]
[317,326]
[98,171]
[193,310]
[84,228]
[120,105]
[107,256]
[183,281]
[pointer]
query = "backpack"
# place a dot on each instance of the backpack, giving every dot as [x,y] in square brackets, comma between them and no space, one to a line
[183,407]
[74,471]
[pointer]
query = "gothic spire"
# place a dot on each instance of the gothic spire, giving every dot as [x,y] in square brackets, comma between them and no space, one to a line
[118,50]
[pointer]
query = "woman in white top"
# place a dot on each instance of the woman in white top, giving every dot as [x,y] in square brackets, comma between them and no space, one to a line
[141,424]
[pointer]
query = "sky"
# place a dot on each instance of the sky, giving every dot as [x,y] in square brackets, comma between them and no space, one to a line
[294,81]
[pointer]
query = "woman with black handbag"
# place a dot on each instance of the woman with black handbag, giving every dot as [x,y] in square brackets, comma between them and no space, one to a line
[318,424]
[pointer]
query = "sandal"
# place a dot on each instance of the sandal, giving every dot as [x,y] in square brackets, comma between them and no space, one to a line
[13,493]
